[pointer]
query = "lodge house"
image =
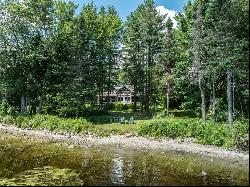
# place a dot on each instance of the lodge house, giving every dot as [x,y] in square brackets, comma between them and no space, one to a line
[123,94]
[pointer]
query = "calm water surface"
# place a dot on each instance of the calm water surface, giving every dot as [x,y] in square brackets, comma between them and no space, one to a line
[27,162]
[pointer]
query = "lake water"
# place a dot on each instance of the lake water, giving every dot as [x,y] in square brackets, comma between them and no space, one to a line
[27,162]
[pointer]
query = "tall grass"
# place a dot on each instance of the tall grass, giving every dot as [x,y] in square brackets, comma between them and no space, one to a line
[52,123]
[219,134]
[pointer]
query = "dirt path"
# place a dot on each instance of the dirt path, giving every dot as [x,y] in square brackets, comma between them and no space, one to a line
[125,141]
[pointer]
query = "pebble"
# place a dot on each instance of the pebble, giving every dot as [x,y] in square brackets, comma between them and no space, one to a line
[203,173]
[128,135]
[71,146]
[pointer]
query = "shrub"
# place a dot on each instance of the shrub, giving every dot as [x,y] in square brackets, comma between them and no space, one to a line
[220,111]
[8,120]
[66,111]
[218,134]
[160,115]
[6,109]
[48,121]
[119,106]
[131,106]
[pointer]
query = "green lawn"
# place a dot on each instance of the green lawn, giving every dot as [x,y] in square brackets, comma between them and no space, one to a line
[139,119]
[107,128]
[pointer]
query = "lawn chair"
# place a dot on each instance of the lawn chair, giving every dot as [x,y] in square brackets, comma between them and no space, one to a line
[122,120]
[131,120]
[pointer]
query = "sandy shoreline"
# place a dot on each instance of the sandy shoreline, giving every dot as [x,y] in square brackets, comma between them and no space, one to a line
[127,141]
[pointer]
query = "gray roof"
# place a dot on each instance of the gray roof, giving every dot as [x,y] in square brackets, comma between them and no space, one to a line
[119,87]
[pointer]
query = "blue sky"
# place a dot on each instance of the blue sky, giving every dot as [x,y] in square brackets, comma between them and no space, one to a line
[125,7]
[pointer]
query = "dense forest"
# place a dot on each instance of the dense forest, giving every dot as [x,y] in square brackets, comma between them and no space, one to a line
[55,61]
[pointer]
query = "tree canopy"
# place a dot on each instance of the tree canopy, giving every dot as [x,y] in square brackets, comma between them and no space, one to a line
[55,61]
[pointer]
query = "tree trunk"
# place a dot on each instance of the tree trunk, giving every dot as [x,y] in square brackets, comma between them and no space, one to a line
[109,83]
[134,106]
[102,96]
[141,108]
[246,107]
[167,104]
[203,101]
[40,107]
[229,98]
[108,99]
[26,103]
[213,102]
[23,106]
[233,95]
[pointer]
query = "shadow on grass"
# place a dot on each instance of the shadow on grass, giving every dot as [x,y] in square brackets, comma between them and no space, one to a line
[114,116]
[183,113]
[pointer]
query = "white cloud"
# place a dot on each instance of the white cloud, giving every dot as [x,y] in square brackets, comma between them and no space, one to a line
[170,13]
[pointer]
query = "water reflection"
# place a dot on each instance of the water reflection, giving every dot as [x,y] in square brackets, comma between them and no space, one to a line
[86,156]
[117,171]
[156,173]
[117,176]
[129,170]
[112,165]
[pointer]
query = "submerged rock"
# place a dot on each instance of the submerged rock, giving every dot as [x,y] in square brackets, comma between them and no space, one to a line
[46,176]
[71,147]
[203,173]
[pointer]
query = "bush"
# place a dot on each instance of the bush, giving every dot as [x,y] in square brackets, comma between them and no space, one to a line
[8,120]
[6,109]
[218,134]
[49,122]
[130,106]
[220,111]
[66,112]
[119,106]
[160,115]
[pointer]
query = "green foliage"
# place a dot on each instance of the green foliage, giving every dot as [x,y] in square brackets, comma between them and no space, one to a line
[7,109]
[142,37]
[119,106]
[160,115]
[58,61]
[220,111]
[49,122]
[100,119]
[218,134]
[4,108]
